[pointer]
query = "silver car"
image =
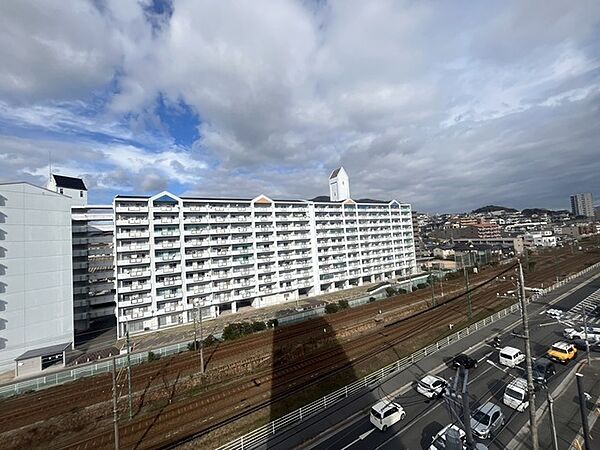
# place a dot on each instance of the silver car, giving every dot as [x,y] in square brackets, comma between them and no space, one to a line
[486,419]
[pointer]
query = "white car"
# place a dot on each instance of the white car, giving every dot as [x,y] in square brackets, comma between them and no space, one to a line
[579,333]
[511,357]
[439,440]
[386,413]
[431,386]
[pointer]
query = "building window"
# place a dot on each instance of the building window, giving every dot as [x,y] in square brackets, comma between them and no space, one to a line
[61,190]
[81,194]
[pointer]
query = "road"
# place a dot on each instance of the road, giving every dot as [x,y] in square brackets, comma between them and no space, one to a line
[347,426]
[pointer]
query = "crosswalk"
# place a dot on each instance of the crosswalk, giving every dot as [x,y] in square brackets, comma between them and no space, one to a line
[574,316]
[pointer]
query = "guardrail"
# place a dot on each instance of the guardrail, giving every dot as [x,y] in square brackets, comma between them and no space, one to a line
[66,376]
[262,434]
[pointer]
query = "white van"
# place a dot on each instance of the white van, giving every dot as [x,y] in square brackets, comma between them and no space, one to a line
[386,413]
[511,357]
[515,395]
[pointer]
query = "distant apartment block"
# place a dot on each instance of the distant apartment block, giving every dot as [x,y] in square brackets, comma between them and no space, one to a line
[93,265]
[339,185]
[582,205]
[173,254]
[480,230]
[36,287]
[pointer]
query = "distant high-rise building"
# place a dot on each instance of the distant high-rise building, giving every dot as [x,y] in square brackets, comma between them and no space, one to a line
[339,185]
[582,205]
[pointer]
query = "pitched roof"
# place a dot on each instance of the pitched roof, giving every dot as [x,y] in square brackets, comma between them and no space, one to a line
[334,173]
[69,182]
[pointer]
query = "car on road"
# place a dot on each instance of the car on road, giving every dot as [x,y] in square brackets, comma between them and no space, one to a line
[515,395]
[562,352]
[511,357]
[440,439]
[579,333]
[543,369]
[486,420]
[386,413]
[580,344]
[464,361]
[431,386]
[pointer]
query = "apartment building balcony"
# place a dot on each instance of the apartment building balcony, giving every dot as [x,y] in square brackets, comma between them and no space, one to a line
[265,238]
[134,221]
[242,262]
[98,287]
[165,208]
[122,235]
[196,219]
[166,231]
[198,254]
[195,290]
[223,262]
[240,219]
[267,269]
[168,282]
[195,230]
[167,244]
[191,243]
[168,295]
[219,230]
[242,230]
[245,272]
[133,273]
[124,208]
[198,267]
[242,251]
[167,269]
[133,260]
[168,256]
[134,287]
[190,207]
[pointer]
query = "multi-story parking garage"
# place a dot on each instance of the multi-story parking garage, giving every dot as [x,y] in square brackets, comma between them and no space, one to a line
[173,254]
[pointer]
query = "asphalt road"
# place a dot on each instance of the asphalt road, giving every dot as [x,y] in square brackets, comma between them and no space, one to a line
[347,426]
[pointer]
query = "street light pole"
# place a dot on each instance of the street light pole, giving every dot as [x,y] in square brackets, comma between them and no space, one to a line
[115,408]
[199,311]
[582,410]
[195,336]
[535,445]
[585,331]
[552,422]
[432,288]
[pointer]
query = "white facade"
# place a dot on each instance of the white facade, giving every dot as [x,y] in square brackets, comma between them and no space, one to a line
[36,287]
[539,239]
[339,185]
[93,264]
[582,204]
[78,197]
[172,253]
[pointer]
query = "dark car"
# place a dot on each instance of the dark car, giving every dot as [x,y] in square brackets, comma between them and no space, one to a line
[464,361]
[543,370]
[580,345]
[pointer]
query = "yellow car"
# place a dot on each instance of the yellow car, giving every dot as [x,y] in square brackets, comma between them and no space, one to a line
[562,352]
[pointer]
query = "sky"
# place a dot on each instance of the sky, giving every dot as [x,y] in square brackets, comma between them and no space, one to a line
[446,105]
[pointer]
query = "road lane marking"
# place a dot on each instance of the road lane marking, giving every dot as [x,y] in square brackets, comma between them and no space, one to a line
[362,437]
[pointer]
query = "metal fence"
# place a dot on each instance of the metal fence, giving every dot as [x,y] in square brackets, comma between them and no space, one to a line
[66,376]
[261,435]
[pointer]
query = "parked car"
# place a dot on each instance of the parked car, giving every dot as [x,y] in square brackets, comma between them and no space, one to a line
[431,386]
[515,395]
[465,361]
[439,440]
[511,357]
[543,370]
[562,352]
[386,413]
[486,420]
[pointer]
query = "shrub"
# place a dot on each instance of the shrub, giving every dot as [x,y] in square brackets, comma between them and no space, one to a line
[190,346]
[273,323]
[258,326]
[422,285]
[210,340]
[153,357]
[343,304]
[390,291]
[331,308]
[371,299]
[401,291]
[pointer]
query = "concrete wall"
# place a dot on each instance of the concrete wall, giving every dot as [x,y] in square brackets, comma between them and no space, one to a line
[36,292]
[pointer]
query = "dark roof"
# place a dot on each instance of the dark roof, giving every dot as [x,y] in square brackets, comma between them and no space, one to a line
[69,182]
[334,173]
[44,351]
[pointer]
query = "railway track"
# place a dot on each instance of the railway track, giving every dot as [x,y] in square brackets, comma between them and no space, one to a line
[183,415]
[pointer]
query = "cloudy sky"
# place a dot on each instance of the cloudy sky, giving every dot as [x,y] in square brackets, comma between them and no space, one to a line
[447,105]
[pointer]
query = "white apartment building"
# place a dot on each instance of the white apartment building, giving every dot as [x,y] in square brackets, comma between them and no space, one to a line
[36,288]
[539,239]
[173,254]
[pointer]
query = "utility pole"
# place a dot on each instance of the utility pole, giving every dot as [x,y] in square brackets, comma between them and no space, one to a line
[467,410]
[535,445]
[441,281]
[201,339]
[129,373]
[195,336]
[469,306]
[584,422]
[432,288]
[585,330]
[556,266]
[552,422]
[115,410]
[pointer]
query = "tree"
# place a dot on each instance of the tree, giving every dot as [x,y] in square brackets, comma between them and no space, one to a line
[343,304]
[331,308]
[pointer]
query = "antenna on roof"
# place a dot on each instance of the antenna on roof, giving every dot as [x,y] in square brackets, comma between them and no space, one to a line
[49,165]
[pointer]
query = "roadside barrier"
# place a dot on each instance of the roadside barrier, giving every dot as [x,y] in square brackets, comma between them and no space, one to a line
[262,434]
